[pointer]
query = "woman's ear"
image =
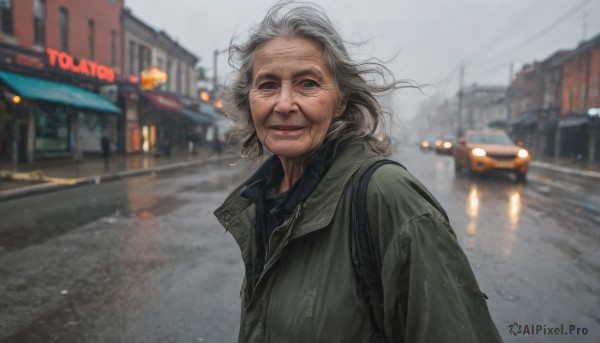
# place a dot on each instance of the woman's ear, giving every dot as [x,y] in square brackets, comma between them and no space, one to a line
[342,107]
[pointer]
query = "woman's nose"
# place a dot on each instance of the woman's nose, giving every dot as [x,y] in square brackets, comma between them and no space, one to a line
[286,102]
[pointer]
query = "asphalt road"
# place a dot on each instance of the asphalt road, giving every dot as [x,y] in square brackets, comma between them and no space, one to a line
[143,260]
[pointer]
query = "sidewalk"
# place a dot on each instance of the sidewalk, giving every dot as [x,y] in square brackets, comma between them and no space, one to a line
[45,176]
[569,166]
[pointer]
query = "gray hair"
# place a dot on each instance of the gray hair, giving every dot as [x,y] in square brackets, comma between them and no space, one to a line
[363,112]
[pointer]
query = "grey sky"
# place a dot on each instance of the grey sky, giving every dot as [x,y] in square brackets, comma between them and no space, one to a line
[432,37]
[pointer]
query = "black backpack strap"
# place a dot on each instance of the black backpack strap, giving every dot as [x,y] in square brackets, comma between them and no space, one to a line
[367,268]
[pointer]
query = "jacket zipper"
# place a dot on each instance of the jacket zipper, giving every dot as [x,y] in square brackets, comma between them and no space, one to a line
[271,261]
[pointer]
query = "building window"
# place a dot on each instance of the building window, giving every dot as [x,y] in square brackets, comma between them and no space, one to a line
[187,81]
[64,29]
[144,58]
[178,78]
[160,63]
[140,59]
[6,16]
[169,74]
[91,38]
[132,49]
[113,48]
[39,22]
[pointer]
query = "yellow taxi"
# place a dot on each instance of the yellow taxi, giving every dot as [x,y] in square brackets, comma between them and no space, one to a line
[490,150]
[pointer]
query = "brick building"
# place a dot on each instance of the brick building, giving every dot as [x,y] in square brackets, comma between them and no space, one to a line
[535,94]
[578,129]
[56,56]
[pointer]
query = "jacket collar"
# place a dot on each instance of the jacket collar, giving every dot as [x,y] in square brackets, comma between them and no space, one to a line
[319,208]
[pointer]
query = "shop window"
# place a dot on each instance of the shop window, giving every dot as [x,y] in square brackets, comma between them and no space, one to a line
[90,131]
[52,129]
[6,16]
[64,29]
[39,22]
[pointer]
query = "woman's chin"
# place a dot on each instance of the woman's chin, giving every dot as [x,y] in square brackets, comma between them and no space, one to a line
[289,151]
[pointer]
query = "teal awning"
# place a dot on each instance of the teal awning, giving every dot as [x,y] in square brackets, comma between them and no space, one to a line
[56,92]
[198,117]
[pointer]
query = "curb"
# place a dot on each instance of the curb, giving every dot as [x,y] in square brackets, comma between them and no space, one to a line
[564,170]
[50,187]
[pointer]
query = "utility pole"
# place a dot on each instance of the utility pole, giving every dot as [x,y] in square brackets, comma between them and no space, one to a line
[215,74]
[509,93]
[215,77]
[460,99]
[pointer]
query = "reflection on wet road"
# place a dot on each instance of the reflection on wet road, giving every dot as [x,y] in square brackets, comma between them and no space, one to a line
[535,247]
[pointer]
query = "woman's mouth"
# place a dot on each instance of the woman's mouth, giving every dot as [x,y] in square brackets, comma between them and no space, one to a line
[286,128]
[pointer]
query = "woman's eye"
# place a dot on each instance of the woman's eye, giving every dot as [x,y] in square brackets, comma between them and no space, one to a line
[309,84]
[267,86]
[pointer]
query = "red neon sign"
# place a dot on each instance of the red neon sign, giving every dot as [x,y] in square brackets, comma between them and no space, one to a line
[85,67]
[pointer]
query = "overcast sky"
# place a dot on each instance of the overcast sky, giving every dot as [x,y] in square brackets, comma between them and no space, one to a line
[431,37]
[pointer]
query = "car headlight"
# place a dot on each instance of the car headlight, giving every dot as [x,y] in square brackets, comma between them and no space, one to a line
[522,153]
[478,152]
[447,145]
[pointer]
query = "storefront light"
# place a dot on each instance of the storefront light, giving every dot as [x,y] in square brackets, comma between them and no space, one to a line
[204,96]
[16,99]
[146,144]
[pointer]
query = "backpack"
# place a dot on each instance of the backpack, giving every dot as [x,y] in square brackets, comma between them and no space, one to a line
[366,267]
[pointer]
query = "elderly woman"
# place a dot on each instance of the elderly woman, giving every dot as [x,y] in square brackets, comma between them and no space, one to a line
[298,94]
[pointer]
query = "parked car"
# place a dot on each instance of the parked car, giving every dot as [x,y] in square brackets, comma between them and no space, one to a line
[490,150]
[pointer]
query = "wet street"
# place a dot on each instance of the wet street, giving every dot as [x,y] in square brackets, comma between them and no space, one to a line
[143,259]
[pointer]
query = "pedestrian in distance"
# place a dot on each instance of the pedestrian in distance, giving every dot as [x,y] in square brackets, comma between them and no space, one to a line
[309,259]
[191,141]
[217,146]
[105,148]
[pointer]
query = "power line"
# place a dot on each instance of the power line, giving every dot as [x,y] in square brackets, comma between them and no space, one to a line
[545,30]
[510,27]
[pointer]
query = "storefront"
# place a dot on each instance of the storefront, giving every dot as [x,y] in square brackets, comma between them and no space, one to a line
[52,119]
[49,106]
[158,116]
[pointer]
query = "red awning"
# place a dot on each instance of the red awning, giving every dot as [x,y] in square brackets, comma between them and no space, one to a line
[163,101]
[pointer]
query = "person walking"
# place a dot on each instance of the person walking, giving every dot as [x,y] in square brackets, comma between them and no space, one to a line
[217,146]
[105,148]
[297,93]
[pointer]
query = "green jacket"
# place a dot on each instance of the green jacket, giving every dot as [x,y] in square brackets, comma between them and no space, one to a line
[308,290]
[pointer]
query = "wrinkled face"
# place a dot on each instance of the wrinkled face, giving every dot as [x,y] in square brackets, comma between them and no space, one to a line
[294,96]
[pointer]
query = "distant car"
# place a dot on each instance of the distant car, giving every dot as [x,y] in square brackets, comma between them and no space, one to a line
[444,145]
[385,139]
[490,150]
[427,144]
